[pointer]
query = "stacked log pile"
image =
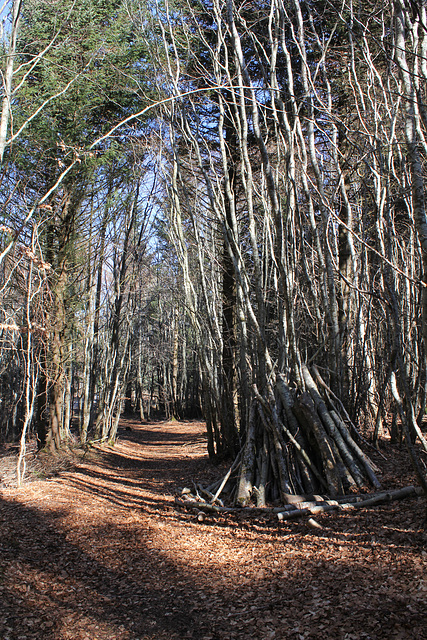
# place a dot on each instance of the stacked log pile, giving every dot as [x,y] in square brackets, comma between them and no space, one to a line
[302,455]
[301,444]
[297,444]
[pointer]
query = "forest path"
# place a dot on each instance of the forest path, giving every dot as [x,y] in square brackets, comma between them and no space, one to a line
[101,552]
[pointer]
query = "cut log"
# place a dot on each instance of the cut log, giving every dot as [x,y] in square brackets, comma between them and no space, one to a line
[282,469]
[294,433]
[303,508]
[305,411]
[219,486]
[346,476]
[330,427]
[330,394]
[364,460]
[244,491]
[369,467]
[264,468]
[382,498]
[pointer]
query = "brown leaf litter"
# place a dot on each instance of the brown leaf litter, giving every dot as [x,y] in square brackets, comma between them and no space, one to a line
[97,549]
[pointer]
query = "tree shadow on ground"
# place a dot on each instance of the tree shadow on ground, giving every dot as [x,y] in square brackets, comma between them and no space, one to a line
[159,435]
[224,580]
[111,583]
[123,472]
[120,477]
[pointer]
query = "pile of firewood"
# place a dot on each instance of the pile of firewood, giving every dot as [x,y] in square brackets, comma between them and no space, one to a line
[302,456]
[297,444]
[301,444]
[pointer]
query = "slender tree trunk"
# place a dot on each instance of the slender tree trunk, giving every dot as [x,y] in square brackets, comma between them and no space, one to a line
[8,77]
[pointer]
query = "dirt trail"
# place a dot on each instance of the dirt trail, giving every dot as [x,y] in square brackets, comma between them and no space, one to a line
[101,552]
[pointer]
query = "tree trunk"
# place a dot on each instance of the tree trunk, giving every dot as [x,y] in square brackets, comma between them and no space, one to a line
[8,77]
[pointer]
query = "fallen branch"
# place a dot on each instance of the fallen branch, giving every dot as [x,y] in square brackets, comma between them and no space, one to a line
[373,501]
[305,507]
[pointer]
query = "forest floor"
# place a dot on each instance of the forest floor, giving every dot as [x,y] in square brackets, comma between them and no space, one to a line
[96,548]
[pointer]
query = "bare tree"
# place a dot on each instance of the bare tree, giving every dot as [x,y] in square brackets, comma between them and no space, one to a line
[308,197]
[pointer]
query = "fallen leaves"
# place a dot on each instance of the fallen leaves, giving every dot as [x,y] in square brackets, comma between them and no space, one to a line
[100,552]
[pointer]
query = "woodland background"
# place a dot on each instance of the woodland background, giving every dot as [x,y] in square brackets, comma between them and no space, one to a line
[218,209]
